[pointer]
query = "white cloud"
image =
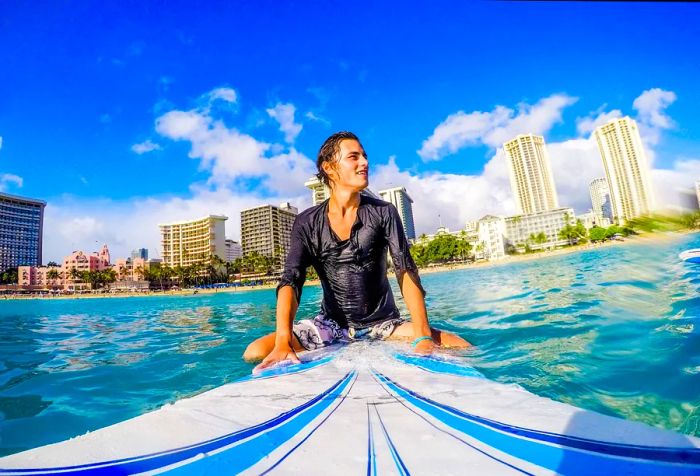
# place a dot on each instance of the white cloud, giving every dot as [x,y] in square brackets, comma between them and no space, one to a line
[6,180]
[223,94]
[651,105]
[284,115]
[586,125]
[651,116]
[229,154]
[493,128]
[145,146]
[313,117]
[575,163]
[450,199]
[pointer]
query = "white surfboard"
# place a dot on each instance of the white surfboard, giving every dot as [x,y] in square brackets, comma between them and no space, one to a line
[367,408]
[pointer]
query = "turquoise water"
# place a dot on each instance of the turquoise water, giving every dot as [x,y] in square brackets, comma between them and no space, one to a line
[611,329]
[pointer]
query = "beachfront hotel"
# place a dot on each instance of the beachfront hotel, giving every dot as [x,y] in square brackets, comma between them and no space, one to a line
[68,276]
[520,228]
[626,168]
[398,197]
[697,191]
[267,230]
[530,174]
[21,231]
[185,243]
[600,198]
[319,190]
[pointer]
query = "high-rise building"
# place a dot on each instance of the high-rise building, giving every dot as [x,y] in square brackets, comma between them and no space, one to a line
[185,243]
[319,191]
[530,174]
[403,203]
[626,168]
[140,253]
[600,198]
[21,231]
[267,230]
[233,250]
[697,191]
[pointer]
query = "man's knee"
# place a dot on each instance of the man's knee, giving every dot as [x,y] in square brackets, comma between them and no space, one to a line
[255,351]
[449,339]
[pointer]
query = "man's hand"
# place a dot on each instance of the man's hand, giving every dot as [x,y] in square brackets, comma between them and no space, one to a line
[281,352]
[426,347]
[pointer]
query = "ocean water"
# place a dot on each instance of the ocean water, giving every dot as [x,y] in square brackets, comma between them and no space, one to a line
[614,329]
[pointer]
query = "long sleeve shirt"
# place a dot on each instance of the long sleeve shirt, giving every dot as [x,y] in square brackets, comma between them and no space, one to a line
[353,272]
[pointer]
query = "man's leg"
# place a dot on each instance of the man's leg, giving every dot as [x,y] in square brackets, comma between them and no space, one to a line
[442,338]
[259,348]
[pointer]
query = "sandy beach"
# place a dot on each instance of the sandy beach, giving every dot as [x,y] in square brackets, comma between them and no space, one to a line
[632,240]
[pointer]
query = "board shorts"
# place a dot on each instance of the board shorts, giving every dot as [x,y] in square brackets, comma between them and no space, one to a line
[322,331]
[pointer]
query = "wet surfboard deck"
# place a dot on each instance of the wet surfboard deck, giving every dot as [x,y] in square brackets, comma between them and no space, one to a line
[367,408]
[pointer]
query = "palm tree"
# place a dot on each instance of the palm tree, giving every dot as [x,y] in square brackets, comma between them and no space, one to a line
[180,273]
[479,249]
[52,275]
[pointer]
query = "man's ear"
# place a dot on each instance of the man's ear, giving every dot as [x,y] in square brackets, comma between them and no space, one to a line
[329,169]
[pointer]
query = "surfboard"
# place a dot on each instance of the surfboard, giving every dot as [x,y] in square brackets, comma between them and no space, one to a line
[367,408]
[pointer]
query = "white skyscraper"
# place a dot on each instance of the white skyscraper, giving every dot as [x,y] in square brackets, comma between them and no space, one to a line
[319,191]
[626,168]
[530,174]
[600,198]
[400,199]
[697,191]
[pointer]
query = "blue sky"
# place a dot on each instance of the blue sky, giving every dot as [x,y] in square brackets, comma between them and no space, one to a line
[234,99]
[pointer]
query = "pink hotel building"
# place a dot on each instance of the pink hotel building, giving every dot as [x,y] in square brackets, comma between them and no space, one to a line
[78,260]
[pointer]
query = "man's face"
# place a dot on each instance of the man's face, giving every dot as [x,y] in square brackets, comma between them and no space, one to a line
[351,170]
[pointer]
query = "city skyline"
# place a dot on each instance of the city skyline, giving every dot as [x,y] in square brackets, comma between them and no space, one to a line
[203,125]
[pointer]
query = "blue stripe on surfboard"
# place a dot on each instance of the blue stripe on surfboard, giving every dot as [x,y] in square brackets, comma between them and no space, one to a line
[436,365]
[371,454]
[243,455]
[536,447]
[403,403]
[267,471]
[155,461]
[400,466]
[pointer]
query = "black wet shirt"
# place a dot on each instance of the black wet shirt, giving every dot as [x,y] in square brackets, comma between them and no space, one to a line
[356,291]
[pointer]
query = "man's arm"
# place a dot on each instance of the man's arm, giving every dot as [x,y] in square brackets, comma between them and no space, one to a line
[288,297]
[413,296]
[286,310]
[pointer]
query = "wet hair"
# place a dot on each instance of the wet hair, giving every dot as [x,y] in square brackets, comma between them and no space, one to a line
[328,152]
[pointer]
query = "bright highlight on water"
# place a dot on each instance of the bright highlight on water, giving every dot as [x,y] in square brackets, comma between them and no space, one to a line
[612,330]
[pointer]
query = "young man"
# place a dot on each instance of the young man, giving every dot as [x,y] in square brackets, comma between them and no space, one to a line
[345,239]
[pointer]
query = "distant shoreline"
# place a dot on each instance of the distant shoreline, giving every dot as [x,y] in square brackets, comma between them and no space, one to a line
[510,259]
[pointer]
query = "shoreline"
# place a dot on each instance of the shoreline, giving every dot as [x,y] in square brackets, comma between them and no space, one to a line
[509,259]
